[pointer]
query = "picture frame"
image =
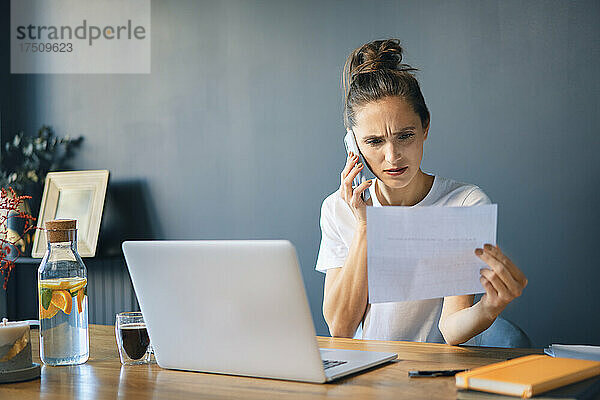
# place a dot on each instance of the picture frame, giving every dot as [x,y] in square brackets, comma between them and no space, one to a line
[73,195]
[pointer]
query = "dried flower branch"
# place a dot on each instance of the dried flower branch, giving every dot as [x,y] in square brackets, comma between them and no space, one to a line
[10,208]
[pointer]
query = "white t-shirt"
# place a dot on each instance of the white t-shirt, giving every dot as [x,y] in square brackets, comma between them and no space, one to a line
[415,321]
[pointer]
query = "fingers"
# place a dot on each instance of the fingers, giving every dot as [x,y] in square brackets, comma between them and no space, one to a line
[352,196]
[491,300]
[489,288]
[514,270]
[349,178]
[350,161]
[357,168]
[494,253]
[499,269]
[345,184]
[496,281]
[357,200]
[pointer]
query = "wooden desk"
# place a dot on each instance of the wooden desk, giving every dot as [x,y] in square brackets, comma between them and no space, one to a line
[103,377]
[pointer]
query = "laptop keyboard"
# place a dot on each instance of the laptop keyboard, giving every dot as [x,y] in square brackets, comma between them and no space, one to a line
[332,363]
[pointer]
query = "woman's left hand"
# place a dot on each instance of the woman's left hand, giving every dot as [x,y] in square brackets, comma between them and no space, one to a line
[503,282]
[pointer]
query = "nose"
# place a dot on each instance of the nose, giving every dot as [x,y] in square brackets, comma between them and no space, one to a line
[392,153]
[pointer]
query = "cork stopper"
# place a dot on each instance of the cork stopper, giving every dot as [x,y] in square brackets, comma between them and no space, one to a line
[60,230]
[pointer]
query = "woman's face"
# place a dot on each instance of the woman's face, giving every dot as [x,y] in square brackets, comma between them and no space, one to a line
[390,136]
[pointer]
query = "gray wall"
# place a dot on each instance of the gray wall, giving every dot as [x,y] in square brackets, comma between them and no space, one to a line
[237,131]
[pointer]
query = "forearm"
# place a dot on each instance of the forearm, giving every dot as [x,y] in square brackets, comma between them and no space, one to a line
[346,299]
[464,324]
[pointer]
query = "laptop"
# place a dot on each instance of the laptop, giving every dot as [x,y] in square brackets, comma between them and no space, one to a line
[234,307]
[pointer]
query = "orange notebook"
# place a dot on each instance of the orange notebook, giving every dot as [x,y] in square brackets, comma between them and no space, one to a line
[527,376]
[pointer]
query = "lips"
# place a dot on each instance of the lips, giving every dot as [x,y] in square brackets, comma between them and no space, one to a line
[395,171]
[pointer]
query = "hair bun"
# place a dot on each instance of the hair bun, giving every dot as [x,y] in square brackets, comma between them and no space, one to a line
[377,56]
[375,71]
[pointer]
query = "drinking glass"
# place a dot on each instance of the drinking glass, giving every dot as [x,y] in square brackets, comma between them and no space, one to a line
[133,341]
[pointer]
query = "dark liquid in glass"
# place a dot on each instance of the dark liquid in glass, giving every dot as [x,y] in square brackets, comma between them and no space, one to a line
[135,340]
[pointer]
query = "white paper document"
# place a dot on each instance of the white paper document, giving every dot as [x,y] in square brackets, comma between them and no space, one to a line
[583,352]
[416,253]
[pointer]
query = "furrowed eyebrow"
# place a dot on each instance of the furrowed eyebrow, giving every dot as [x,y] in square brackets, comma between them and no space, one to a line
[408,128]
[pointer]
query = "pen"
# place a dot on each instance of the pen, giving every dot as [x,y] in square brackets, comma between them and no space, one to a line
[433,374]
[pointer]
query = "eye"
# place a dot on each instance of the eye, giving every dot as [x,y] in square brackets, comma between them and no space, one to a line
[406,136]
[373,142]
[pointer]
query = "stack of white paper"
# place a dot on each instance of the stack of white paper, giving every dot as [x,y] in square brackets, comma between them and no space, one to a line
[574,351]
[418,253]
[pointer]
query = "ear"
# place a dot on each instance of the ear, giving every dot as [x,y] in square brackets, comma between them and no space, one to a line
[425,132]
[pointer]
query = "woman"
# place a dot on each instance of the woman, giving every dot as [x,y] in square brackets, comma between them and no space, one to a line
[386,111]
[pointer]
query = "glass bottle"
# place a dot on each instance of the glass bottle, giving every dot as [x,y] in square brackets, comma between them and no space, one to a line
[63,301]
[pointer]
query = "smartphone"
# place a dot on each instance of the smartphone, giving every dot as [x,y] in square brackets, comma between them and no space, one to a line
[366,173]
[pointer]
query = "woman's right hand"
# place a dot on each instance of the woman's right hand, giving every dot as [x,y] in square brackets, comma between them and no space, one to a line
[352,196]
